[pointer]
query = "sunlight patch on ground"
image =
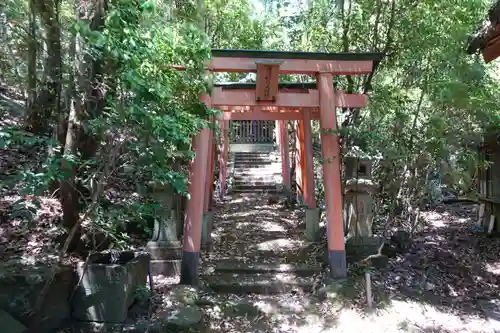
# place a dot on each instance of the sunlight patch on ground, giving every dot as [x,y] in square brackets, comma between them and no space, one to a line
[286,313]
[435,219]
[241,214]
[298,315]
[406,317]
[279,244]
[239,200]
[443,220]
[493,268]
[266,208]
[289,221]
[262,225]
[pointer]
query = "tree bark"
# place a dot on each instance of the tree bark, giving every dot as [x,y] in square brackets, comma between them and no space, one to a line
[46,104]
[31,61]
[88,102]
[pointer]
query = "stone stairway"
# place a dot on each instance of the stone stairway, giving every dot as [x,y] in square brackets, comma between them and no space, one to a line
[246,278]
[259,248]
[255,171]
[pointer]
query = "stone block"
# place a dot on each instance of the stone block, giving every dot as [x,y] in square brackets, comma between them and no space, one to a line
[165,258]
[183,318]
[312,224]
[359,248]
[166,267]
[300,199]
[159,251]
[108,287]
[206,231]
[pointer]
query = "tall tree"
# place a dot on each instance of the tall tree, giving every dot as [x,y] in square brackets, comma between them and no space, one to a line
[47,100]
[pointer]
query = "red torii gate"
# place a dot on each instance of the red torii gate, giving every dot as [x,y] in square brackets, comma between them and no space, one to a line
[269,100]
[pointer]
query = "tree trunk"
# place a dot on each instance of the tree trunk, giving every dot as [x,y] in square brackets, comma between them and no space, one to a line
[31,61]
[47,100]
[70,196]
[88,102]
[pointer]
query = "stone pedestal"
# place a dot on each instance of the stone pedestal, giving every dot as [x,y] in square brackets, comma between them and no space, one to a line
[164,247]
[109,282]
[165,258]
[300,199]
[358,213]
[312,224]
[206,231]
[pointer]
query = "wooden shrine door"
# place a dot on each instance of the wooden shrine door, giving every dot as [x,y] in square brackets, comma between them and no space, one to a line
[252,131]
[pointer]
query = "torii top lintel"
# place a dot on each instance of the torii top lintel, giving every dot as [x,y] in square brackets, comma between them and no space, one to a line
[345,63]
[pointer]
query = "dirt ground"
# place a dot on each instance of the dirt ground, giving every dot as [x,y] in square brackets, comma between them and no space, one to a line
[435,287]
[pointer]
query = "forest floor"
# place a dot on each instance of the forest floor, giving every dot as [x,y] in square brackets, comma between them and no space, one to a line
[437,286]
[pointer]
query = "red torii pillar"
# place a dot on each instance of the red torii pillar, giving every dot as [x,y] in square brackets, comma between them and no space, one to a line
[207,212]
[307,177]
[299,160]
[224,152]
[277,133]
[284,152]
[330,151]
[195,206]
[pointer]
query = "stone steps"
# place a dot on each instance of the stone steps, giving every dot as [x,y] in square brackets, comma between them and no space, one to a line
[256,175]
[270,168]
[258,283]
[254,188]
[255,179]
[255,153]
[254,157]
[244,183]
[258,268]
[253,165]
[254,172]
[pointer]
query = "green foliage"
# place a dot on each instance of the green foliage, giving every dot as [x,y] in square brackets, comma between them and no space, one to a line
[431,102]
[160,111]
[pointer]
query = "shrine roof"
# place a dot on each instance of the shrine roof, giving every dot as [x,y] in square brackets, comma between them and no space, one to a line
[250,85]
[352,56]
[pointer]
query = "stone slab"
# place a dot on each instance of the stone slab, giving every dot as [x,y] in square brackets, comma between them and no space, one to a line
[166,267]
[267,187]
[161,252]
[10,325]
[108,289]
[182,318]
[251,147]
[258,284]
[252,190]
[312,224]
[240,267]
[206,230]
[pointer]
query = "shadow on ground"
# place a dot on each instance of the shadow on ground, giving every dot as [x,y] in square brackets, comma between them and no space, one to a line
[434,287]
[449,265]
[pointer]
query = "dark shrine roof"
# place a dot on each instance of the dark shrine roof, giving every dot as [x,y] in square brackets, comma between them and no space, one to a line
[352,56]
[250,85]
